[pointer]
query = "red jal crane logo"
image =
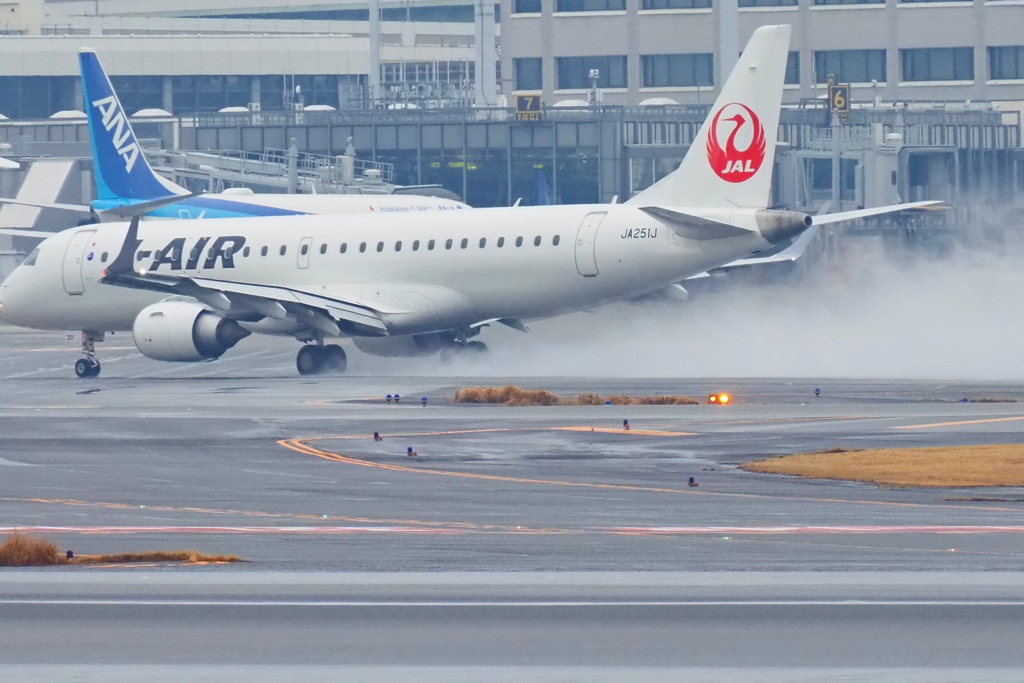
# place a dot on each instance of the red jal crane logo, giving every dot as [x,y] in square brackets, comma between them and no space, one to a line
[730,163]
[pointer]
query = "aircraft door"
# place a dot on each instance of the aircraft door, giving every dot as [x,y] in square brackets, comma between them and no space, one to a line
[74,259]
[586,243]
[304,246]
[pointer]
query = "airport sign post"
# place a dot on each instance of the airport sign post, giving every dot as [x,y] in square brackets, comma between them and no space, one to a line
[527,107]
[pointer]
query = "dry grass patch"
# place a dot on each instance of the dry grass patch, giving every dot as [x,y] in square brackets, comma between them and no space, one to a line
[21,550]
[955,466]
[511,395]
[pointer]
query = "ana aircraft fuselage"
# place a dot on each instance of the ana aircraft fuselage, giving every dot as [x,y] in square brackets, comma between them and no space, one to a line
[443,271]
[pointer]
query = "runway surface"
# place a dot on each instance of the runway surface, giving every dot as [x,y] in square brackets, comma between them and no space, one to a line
[244,457]
[659,626]
[746,576]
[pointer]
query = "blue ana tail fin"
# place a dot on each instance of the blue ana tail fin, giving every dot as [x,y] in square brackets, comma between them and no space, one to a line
[120,167]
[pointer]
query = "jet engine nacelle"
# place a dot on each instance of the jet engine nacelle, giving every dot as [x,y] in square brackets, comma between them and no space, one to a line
[402,347]
[184,332]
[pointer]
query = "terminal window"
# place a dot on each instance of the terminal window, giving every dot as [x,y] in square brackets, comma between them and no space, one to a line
[850,66]
[590,5]
[1006,62]
[938,64]
[678,70]
[574,72]
[793,68]
[769,3]
[676,4]
[526,7]
[849,2]
[528,73]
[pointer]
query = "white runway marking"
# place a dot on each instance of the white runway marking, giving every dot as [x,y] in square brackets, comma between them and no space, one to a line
[129,602]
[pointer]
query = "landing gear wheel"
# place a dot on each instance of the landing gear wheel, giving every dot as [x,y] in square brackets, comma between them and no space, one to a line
[87,367]
[335,359]
[310,360]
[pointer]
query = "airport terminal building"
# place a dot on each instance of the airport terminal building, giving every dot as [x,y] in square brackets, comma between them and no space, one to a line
[936,91]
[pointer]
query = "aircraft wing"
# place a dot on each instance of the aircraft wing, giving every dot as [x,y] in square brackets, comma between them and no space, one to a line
[829,218]
[24,232]
[788,255]
[241,301]
[73,208]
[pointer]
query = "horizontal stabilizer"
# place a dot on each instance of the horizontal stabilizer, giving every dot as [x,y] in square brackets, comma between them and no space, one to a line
[142,208]
[694,227]
[74,208]
[830,218]
[18,232]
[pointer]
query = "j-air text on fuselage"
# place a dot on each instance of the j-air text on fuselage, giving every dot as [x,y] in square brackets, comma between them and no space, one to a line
[127,186]
[399,285]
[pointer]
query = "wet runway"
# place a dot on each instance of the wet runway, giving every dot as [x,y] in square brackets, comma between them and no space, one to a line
[242,456]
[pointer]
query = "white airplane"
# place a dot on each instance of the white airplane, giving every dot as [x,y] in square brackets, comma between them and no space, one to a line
[401,285]
[127,186]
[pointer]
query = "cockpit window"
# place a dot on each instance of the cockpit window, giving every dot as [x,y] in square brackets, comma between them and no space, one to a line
[30,260]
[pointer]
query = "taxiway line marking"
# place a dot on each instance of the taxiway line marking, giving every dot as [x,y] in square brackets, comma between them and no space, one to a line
[619,430]
[647,531]
[300,446]
[458,526]
[961,422]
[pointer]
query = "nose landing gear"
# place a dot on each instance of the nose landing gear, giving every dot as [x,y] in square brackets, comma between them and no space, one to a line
[314,359]
[89,366]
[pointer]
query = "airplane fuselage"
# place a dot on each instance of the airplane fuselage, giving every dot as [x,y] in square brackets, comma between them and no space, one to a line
[442,271]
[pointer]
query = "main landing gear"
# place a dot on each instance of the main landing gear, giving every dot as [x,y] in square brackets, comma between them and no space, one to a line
[89,366]
[315,359]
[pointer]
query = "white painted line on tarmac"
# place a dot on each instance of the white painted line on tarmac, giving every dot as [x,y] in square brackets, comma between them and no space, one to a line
[130,602]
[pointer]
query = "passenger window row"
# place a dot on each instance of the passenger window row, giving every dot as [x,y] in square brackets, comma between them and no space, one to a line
[415,246]
[304,249]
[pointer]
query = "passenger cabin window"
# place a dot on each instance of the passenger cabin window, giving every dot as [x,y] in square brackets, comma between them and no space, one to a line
[103,257]
[245,252]
[284,249]
[501,242]
[362,247]
[519,241]
[380,246]
[30,260]
[416,245]
[138,257]
[465,242]
[323,248]
[304,250]
[555,240]
[263,251]
[483,242]
[448,244]
[430,245]
[398,245]
[344,247]
[192,255]
[536,241]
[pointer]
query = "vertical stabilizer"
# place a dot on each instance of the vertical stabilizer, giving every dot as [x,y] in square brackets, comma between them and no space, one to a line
[121,169]
[730,162]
